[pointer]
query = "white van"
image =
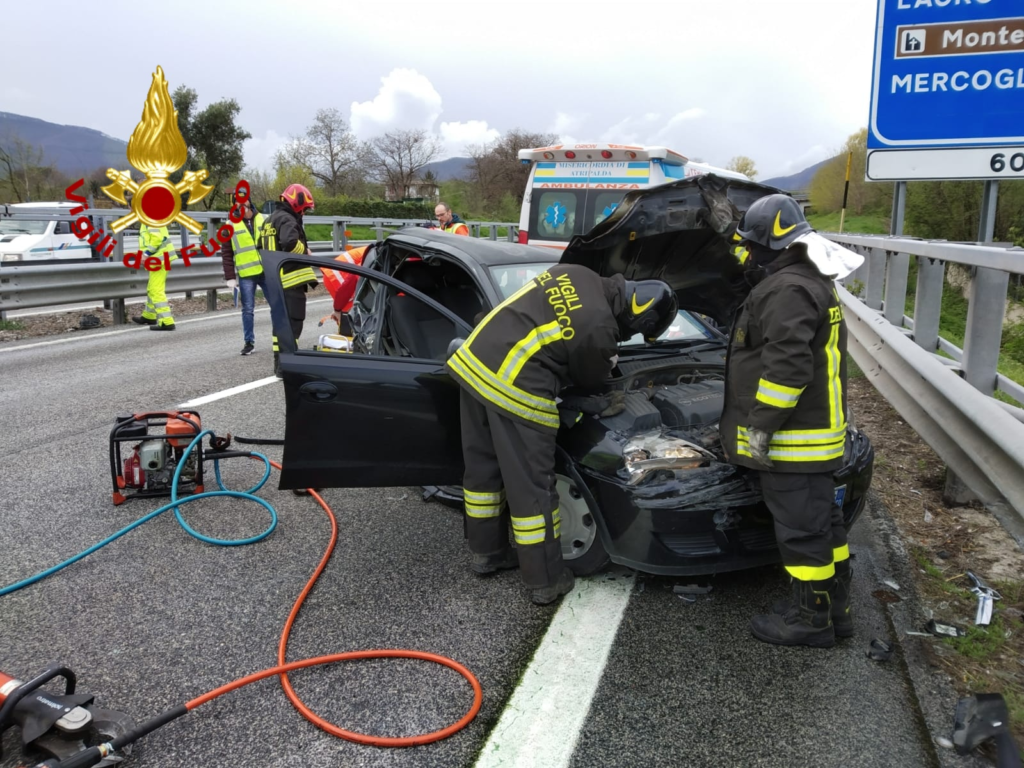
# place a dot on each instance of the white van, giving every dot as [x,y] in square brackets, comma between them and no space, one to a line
[27,239]
[573,188]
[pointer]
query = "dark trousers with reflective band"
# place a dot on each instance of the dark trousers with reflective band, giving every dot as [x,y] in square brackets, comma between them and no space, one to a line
[808,524]
[295,306]
[510,477]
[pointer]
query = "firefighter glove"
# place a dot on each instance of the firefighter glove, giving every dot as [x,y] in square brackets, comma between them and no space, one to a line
[609,404]
[759,441]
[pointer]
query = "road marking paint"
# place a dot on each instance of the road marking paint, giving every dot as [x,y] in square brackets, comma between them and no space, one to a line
[229,392]
[542,720]
[136,330]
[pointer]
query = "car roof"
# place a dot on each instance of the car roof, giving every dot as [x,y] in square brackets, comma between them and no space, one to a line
[487,253]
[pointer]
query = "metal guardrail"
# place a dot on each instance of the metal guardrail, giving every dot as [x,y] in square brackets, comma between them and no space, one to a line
[947,401]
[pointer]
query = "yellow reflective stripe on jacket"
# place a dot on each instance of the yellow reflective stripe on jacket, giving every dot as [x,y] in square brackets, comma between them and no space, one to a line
[526,348]
[823,451]
[297,277]
[835,387]
[505,386]
[841,553]
[812,572]
[481,387]
[778,395]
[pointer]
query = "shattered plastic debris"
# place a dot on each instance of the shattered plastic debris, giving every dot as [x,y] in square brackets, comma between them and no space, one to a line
[941,629]
[943,742]
[928,516]
[688,598]
[891,584]
[880,650]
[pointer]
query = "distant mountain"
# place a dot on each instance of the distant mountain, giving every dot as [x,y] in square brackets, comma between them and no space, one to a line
[798,181]
[452,168]
[71,148]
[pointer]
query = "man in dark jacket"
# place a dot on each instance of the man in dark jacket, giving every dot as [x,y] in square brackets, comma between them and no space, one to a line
[562,328]
[785,416]
[283,231]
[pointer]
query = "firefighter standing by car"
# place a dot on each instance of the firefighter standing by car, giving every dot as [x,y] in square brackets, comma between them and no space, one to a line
[785,415]
[243,269]
[561,329]
[156,241]
[449,221]
[283,231]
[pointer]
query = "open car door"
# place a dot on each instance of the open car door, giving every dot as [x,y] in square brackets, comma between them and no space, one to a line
[385,414]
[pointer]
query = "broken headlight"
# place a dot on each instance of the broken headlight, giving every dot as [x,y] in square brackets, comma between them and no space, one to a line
[649,453]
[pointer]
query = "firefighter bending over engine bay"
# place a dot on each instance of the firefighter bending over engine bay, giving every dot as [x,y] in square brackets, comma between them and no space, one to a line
[561,329]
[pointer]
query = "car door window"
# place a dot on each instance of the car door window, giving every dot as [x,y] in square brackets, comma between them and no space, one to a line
[387,321]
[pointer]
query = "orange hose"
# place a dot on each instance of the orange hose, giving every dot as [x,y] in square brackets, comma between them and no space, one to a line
[283,667]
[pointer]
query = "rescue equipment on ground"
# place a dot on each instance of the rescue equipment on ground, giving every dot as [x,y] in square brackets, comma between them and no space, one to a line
[67,731]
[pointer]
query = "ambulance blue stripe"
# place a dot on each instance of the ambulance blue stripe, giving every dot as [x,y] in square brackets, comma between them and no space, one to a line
[593,180]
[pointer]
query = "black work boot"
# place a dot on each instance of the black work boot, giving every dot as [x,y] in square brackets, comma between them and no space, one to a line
[547,595]
[807,621]
[839,595]
[143,320]
[487,564]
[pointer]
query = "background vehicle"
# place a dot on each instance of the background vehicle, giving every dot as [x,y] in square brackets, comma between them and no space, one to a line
[572,189]
[23,240]
[649,488]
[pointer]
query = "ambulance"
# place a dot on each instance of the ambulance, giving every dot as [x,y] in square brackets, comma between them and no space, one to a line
[572,188]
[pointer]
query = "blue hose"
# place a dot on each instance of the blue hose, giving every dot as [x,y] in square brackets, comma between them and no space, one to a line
[177,513]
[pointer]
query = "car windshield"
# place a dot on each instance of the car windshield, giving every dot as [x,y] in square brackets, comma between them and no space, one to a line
[22,227]
[511,278]
[685,328]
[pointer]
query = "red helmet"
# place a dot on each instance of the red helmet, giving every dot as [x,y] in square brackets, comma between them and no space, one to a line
[298,197]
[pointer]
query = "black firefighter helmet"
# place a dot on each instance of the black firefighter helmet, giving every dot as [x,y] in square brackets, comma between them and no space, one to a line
[775,222]
[651,307]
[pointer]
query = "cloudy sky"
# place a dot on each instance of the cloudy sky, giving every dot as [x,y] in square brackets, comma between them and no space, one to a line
[781,81]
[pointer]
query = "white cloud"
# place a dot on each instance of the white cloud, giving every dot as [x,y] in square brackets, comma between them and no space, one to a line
[455,137]
[406,100]
[671,129]
[259,152]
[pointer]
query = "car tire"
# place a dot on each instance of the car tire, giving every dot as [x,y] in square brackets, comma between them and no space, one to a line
[582,550]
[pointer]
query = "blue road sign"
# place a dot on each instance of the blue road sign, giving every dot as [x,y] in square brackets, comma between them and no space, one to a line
[948,74]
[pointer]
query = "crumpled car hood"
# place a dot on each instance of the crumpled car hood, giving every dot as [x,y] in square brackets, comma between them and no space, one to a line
[661,234]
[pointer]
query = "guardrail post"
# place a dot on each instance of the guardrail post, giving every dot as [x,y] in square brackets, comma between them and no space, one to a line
[120,316]
[985,312]
[494,231]
[211,300]
[336,235]
[379,227]
[876,278]
[344,235]
[896,287]
[511,234]
[928,303]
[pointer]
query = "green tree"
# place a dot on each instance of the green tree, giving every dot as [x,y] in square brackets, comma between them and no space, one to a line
[496,172]
[214,140]
[827,187]
[743,164]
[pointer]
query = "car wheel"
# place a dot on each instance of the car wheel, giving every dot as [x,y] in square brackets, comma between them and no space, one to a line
[582,549]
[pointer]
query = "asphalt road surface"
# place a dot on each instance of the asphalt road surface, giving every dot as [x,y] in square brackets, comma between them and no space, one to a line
[623,673]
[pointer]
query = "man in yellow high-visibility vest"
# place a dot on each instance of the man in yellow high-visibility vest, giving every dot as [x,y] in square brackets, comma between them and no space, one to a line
[156,241]
[244,270]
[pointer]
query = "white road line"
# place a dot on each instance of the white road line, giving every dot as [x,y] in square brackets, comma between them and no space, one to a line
[136,330]
[542,721]
[229,392]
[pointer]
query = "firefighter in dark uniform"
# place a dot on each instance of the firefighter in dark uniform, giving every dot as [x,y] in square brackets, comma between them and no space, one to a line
[561,329]
[282,231]
[785,416]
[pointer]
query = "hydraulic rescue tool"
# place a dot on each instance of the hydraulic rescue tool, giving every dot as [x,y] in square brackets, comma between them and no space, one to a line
[59,727]
[67,730]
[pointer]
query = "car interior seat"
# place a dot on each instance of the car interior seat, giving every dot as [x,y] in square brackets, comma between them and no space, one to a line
[419,330]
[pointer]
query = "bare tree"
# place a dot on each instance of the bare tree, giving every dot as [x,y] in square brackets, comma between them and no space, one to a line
[24,171]
[328,151]
[495,170]
[396,158]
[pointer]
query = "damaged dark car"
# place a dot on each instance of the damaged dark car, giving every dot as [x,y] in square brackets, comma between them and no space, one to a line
[648,488]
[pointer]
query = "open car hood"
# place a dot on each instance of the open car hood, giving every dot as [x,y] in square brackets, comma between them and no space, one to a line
[661,234]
